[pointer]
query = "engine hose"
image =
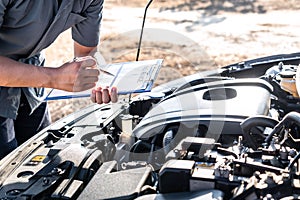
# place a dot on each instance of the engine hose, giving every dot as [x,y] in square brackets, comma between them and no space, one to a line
[294,161]
[150,158]
[167,139]
[290,118]
[140,147]
[251,122]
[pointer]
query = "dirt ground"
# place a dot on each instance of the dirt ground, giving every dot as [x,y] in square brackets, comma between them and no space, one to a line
[215,40]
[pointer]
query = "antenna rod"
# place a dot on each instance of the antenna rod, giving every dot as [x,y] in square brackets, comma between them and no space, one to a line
[142,30]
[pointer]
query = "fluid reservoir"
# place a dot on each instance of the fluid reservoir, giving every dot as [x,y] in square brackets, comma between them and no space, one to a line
[288,82]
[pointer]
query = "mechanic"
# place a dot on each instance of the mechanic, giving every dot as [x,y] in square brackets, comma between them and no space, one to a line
[26,28]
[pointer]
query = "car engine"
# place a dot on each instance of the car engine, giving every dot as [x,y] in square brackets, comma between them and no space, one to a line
[231,133]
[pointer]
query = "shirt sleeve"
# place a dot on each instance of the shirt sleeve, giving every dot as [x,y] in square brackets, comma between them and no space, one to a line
[3,5]
[87,32]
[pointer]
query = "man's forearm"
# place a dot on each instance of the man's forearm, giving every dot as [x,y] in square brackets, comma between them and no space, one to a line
[17,74]
[80,50]
[71,76]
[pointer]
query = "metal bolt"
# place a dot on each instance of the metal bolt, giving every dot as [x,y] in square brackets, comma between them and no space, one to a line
[268,197]
[13,192]
[46,181]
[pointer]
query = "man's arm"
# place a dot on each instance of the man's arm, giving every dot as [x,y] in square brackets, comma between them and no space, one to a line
[80,50]
[86,37]
[17,74]
[99,95]
[72,76]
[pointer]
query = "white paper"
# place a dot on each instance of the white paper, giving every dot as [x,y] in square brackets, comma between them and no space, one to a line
[130,77]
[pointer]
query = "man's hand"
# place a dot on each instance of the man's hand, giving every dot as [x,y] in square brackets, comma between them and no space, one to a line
[82,74]
[71,76]
[103,95]
[99,95]
[79,75]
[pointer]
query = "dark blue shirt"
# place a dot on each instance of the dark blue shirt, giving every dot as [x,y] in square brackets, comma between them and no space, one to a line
[29,26]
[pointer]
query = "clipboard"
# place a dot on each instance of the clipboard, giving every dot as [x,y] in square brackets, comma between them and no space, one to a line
[130,77]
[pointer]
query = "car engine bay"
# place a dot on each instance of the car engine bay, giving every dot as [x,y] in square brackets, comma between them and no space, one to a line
[231,133]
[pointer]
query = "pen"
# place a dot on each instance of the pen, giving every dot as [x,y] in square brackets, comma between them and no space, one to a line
[80,59]
[105,72]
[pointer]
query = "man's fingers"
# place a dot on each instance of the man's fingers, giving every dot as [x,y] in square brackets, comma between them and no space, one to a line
[83,87]
[93,96]
[85,72]
[114,95]
[99,95]
[89,63]
[105,96]
[87,80]
[86,61]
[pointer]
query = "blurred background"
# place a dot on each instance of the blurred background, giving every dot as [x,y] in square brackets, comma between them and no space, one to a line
[190,35]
